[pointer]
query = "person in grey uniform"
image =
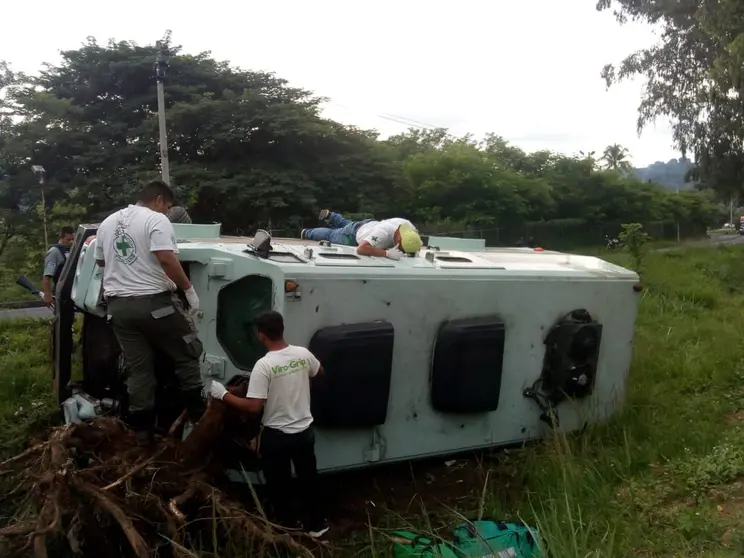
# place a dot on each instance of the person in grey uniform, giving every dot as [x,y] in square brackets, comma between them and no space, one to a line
[54,261]
[137,248]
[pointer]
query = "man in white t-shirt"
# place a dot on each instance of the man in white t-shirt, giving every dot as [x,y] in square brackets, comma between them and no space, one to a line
[279,386]
[389,238]
[136,246]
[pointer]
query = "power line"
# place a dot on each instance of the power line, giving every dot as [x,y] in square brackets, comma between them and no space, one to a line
[416,123]
[410,122]
[404,120]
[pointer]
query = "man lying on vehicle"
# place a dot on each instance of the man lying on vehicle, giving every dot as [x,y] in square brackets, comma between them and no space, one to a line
[389,238]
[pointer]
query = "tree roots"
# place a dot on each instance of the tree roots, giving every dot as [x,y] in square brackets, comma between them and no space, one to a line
[88,490]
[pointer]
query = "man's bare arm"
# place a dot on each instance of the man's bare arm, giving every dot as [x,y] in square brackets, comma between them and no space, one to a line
[46,288]
[366,249]
[172,268]
[245,404]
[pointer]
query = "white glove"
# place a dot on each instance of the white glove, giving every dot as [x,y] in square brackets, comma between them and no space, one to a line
[394,254]
[192,299]
[217,390]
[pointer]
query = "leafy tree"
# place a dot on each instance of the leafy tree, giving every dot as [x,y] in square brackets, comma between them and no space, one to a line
[460,183]
[616,158]
[590,156]
[244,146]
[694,76]
[15,175]
[634,239]
[415,141]
[692,206]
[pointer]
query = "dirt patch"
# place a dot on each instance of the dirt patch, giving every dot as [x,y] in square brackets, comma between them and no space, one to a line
[729,498]
[419,490]
[735,418]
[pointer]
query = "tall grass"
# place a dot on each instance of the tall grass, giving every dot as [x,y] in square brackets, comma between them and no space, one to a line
[25,381]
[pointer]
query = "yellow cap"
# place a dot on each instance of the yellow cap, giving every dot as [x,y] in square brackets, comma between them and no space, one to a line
[410,241]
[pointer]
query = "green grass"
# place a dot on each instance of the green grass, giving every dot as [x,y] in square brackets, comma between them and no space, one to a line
[663,478]
[25,381]
[10,292]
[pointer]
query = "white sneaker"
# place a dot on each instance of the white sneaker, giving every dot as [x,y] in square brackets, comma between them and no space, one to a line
[323,215]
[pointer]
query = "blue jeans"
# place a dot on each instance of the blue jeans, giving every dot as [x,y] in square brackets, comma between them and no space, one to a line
[340,230]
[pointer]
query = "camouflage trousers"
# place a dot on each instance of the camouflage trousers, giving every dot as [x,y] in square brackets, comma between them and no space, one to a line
[145,324]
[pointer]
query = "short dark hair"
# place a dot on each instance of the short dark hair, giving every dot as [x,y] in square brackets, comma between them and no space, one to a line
[156,188]
[271,324]
[64,231]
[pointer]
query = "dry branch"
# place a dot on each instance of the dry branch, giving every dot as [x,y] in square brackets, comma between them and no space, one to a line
[135,539]
[136,469]
[178,423]
[85,490]
[25,454]
[178,501]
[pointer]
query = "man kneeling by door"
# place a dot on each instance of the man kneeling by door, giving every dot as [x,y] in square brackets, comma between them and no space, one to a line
[279,386]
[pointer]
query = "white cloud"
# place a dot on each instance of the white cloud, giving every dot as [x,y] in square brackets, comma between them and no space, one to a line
[527,70]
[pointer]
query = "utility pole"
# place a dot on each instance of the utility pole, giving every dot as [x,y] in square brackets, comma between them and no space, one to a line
[40,172]
[677,189]
[161,68]
[731,210]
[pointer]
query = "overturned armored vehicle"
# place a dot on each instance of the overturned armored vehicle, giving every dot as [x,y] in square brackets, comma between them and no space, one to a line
[458,348]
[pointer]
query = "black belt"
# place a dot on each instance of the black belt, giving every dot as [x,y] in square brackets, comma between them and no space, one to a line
[359,224]
[141,297]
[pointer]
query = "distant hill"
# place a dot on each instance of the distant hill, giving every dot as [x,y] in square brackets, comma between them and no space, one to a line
[670,174]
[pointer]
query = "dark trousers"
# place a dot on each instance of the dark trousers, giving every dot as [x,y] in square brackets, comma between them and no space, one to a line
[143,324]
[279,451]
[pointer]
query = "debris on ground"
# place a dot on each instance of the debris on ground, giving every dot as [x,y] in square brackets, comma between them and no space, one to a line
[89,490]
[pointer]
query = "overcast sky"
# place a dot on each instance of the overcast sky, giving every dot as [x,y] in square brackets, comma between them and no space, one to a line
[525,69]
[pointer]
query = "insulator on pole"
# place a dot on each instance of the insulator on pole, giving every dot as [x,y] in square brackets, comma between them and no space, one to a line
[161,61]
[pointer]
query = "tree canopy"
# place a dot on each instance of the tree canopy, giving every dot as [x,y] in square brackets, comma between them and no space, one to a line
[246,149]
[694,75]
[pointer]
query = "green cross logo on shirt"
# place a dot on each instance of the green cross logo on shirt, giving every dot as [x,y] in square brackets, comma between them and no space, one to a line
[373,239]
[125,248]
